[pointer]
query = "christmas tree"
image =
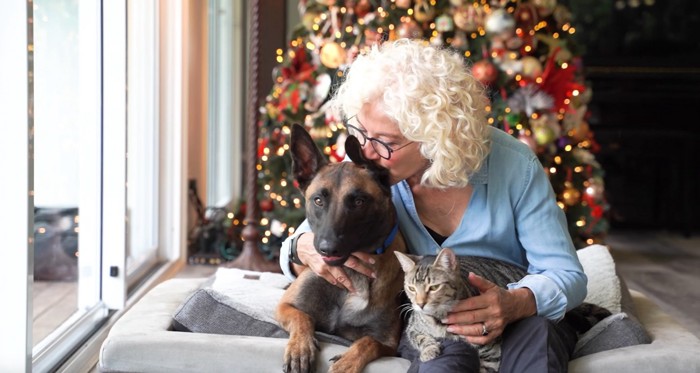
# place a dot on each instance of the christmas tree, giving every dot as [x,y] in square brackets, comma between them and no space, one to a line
[523,51]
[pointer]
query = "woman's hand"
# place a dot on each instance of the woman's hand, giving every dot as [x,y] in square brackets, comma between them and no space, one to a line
[334,275]
[493,309]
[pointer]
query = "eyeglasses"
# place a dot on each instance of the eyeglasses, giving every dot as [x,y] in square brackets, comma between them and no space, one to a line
[380,147]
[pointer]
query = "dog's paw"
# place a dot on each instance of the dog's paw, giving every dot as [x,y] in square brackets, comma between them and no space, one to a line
[341,365]
[429,353]
[300,355]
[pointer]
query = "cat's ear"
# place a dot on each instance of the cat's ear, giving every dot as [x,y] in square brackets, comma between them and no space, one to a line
[407,261]
[446,258]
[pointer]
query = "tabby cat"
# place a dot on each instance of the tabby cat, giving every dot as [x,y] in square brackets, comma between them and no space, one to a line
[434,285]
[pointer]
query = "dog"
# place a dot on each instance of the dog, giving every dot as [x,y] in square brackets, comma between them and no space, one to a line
[349,209]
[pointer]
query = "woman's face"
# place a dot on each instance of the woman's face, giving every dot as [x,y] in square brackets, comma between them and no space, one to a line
[405,161]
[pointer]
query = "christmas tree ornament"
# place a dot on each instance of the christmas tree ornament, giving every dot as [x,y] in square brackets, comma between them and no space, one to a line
[545,128]
[484,71]
[444,23]
[459,41]
[267,205]
[580,132]
[527,140]
[362,8]
[423,12]
[333,55]
[530,99]
[403,4]
[468,18]
[532,68]
[500,24]
[544,135]
[309,20]
[570,195]
[545,7]
[595,187]
[409,30]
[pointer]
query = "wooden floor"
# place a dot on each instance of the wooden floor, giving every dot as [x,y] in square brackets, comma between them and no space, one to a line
[54,302]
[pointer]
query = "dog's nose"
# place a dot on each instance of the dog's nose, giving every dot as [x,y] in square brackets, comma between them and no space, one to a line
[327,248]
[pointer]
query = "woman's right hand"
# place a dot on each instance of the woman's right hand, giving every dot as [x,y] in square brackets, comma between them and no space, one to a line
[360,262]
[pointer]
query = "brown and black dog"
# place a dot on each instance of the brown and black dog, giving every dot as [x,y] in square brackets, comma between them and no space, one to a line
[349,208]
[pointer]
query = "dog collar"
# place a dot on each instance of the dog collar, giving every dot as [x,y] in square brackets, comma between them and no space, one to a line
[389,240]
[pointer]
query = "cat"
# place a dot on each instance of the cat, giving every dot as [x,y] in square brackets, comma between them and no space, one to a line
[434,285]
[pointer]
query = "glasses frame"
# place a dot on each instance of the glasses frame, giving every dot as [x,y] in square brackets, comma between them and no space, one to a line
[374,142]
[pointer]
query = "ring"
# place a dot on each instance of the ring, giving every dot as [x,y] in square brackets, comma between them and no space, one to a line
[484,332]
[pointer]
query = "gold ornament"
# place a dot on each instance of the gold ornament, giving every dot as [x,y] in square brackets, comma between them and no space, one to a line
[570,196]
[332,55]
[423,12]
[532,68]
[468,18]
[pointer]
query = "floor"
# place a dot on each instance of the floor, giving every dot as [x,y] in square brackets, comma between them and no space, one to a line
[664,266]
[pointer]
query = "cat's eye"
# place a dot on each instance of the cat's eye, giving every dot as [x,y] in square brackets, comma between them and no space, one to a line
[412,289]
[433,287]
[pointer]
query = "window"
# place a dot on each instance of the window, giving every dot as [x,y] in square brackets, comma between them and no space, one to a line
[94,178]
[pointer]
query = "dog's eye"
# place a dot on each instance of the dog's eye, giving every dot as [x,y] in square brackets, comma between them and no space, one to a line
[359,201]
[318,202]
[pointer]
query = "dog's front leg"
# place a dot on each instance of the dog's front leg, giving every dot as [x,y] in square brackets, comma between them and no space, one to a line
[300,353]
[361,352]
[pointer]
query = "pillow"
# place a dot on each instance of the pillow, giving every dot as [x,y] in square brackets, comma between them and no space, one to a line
[603,283]
[238,302]
[615,331]
[607,289]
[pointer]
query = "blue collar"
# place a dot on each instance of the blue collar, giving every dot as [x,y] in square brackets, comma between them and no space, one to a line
[390,239]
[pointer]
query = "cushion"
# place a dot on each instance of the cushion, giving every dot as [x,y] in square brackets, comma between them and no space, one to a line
[603,283]
[615,331]
[607,289]
[238,302]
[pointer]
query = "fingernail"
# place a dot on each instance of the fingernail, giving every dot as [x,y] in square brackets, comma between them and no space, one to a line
[374,275]
[451,329]
[372,261]
[444,321]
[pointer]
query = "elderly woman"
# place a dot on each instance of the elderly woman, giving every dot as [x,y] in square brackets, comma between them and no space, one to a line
[462,184]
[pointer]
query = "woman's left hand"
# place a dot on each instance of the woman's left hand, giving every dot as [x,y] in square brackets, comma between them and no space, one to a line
[493,309]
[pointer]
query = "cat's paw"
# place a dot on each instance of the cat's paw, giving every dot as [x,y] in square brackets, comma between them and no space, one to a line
[429,353]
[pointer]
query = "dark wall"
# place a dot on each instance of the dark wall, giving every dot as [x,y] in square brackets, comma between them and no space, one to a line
[643,64]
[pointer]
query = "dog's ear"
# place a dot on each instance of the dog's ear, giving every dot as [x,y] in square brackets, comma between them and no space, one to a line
[354,150]
[307,159]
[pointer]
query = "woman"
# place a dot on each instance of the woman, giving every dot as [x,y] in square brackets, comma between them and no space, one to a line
[462,184]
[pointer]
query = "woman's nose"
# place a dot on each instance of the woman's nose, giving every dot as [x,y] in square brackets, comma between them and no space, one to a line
[369,152]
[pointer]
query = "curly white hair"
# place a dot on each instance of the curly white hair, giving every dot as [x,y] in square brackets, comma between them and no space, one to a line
[434,99]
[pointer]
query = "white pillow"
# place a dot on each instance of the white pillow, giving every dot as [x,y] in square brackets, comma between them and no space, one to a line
[603,283]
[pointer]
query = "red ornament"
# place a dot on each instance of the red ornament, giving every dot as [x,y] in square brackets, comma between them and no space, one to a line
[485,72]
[267,205]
